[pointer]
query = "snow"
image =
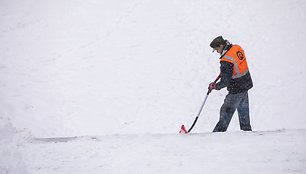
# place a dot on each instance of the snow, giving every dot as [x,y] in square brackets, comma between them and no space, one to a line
[279,151]
[11,159]
[131,72]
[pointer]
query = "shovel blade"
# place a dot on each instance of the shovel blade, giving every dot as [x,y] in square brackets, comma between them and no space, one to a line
[183,130]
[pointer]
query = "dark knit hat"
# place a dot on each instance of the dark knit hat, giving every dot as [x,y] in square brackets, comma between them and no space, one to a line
[217,42]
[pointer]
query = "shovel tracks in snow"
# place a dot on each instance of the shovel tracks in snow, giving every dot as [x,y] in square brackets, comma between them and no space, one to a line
[135,136]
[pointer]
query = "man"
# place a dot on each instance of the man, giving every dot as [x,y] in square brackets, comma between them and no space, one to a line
[236,77]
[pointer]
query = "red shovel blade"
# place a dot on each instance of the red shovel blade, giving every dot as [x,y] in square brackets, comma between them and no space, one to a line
[183,130]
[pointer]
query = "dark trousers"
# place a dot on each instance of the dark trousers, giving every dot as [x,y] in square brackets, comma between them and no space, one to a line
[232,102]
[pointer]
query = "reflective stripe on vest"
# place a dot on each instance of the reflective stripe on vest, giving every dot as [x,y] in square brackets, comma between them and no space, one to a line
[236,56]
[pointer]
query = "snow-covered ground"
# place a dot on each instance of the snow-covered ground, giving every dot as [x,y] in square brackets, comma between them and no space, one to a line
[235,152]
[131,72]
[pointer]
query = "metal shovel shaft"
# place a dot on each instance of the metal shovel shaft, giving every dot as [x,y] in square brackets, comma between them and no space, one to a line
[208,92]
[198,113]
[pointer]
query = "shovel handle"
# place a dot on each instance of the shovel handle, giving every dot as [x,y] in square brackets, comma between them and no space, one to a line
[217,78]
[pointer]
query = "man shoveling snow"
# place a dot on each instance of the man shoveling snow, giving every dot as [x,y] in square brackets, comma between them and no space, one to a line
[236,77]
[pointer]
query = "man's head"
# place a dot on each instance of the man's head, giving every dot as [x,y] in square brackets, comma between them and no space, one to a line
[218,44]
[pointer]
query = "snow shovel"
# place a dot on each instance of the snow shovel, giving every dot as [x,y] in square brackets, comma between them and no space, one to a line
[183,129]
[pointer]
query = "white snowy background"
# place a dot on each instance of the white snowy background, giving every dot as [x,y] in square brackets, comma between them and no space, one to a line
[122,76]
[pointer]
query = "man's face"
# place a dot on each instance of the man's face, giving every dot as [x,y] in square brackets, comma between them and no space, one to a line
[219,49]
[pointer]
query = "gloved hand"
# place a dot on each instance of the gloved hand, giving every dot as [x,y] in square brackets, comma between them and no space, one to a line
[211,86]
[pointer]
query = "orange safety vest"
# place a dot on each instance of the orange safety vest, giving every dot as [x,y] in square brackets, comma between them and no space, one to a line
[235,55]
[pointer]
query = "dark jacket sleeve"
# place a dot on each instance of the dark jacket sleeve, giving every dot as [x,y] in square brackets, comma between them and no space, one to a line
[226,70]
